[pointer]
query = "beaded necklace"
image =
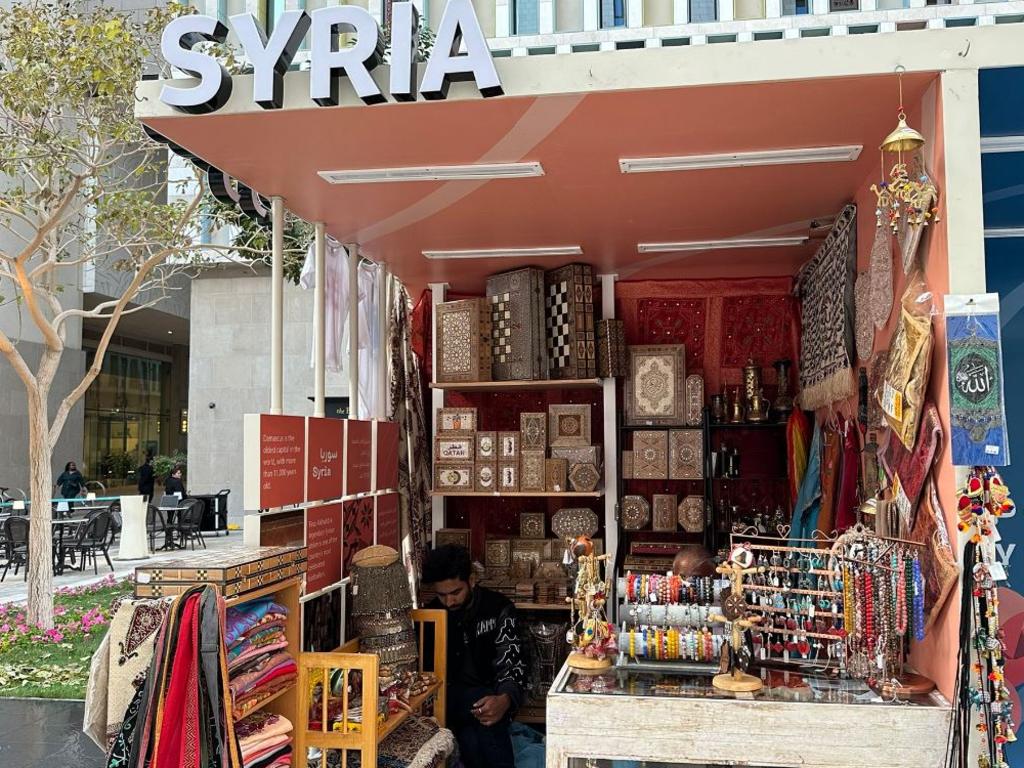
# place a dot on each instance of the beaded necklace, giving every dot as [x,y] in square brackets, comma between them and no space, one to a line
[918,584]
[901,596]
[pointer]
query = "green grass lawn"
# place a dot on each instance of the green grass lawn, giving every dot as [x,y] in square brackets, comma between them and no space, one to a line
[55,665]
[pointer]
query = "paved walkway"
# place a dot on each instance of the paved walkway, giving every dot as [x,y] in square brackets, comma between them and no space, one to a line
[13,588]
[42,733]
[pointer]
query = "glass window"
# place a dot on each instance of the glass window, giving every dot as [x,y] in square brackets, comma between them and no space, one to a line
[613,13]
[527,17]
[703,10]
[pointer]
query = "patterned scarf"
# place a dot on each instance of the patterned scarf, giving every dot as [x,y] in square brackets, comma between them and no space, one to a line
[825,286]
[407,410]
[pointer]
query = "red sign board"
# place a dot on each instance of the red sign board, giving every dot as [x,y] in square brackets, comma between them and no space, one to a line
[387,455]
[387,521]
[325,451]
[282,460]
[323,546]
[358,455]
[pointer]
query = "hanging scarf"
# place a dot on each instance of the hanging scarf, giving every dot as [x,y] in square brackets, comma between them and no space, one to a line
[179,717]
[808,503]
[798,437]
[825,286]
[846,498]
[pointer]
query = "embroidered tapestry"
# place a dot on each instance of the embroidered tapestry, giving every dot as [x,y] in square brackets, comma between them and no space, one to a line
[825,287]
[722,324]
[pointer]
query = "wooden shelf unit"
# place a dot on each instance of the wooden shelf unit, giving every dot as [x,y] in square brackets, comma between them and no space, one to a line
[284,702]
[517,386]
[542,606]
[315,667]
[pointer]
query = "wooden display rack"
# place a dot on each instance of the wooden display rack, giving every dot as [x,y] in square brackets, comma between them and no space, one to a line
[370,733]
[286,593]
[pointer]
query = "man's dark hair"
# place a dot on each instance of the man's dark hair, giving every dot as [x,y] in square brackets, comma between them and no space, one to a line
[447,562]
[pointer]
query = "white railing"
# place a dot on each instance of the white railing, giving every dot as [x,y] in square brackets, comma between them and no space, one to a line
[857,17]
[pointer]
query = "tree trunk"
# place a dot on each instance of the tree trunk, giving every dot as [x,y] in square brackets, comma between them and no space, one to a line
[40,541]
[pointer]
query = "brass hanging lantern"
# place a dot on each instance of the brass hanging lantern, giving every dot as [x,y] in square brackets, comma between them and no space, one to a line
[903,138]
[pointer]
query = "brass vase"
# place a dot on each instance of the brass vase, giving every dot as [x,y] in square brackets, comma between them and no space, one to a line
[783,400]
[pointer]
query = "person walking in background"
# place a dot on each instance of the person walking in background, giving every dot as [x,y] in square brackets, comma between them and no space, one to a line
[146,477]
[174,484]
[71,483]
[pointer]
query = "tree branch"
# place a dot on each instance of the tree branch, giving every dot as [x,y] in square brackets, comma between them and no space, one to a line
[17,361]
[52,222]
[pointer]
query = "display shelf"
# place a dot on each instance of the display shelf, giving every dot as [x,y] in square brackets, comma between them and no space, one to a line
[532,715]
[261,704]
[397,719]
[658,427]
[521,494]
[750,425]
[517,386]
[542,606]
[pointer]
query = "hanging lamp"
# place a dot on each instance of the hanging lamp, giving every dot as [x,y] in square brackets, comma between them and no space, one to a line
[903,138]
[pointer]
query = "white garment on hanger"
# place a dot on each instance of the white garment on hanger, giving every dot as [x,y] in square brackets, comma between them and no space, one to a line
[336,319]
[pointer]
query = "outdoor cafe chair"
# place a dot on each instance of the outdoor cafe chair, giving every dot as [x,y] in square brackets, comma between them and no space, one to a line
[156,523]
[94,536]
[15,544]
[189,522]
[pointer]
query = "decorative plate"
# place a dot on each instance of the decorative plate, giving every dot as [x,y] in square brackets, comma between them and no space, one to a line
[531,525]
[691,514]
[584,478]
[636,513]
[569,425]
[570,522]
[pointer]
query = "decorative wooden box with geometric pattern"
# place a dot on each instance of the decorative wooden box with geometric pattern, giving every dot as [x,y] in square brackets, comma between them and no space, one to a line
[569,305]
[518,345]
[231,572]
[463,341]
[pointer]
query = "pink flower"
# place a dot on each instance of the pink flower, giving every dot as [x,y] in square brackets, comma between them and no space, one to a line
[5,628]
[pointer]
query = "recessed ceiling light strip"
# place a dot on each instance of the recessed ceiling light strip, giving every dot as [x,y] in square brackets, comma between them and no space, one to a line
[505,253]
[472,172]
[796,156]
[715,245]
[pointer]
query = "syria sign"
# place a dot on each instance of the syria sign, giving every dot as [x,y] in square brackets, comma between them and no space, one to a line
[460,53]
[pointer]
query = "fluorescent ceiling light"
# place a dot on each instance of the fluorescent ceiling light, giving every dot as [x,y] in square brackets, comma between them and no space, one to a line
[505,253]
[473,172]
[714,245]
[992,144]
[800,155]
[1004,232]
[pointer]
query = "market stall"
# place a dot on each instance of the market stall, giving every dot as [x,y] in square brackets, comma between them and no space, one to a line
[690,330]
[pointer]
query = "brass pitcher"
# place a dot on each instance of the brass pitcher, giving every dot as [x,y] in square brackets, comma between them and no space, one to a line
[759,407]
[737,413]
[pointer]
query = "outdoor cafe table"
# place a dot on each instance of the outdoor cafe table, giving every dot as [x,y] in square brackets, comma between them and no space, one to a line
[169,514]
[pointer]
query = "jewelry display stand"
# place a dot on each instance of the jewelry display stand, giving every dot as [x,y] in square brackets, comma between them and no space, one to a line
[734,607]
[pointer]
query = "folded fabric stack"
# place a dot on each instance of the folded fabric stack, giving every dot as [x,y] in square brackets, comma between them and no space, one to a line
[258,663]
[264,740]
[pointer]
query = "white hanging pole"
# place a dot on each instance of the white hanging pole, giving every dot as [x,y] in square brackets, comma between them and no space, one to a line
[353,331]
[277,306]
[390,297]
[381,352]
[437,296]
[319,320]
[611,448]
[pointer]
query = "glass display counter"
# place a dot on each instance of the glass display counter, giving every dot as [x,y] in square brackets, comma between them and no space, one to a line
[625,716]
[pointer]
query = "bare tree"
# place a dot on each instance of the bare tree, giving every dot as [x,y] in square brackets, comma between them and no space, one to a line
[80,183]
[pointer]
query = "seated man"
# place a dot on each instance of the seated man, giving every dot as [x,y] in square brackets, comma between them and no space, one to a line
[486,671]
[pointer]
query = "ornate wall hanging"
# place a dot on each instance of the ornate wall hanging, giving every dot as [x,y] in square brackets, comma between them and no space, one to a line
[686,454]
[691,514]
[531,525]
[664,512]
[650,455]
[636,513]
[571,522]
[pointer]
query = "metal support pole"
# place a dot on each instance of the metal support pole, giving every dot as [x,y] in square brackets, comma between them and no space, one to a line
[381,357]
[353,331]
[319,320]
[437,294]
[277,306]
[611,432]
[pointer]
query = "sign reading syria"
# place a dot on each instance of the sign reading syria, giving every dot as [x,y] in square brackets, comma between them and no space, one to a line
[460,53]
